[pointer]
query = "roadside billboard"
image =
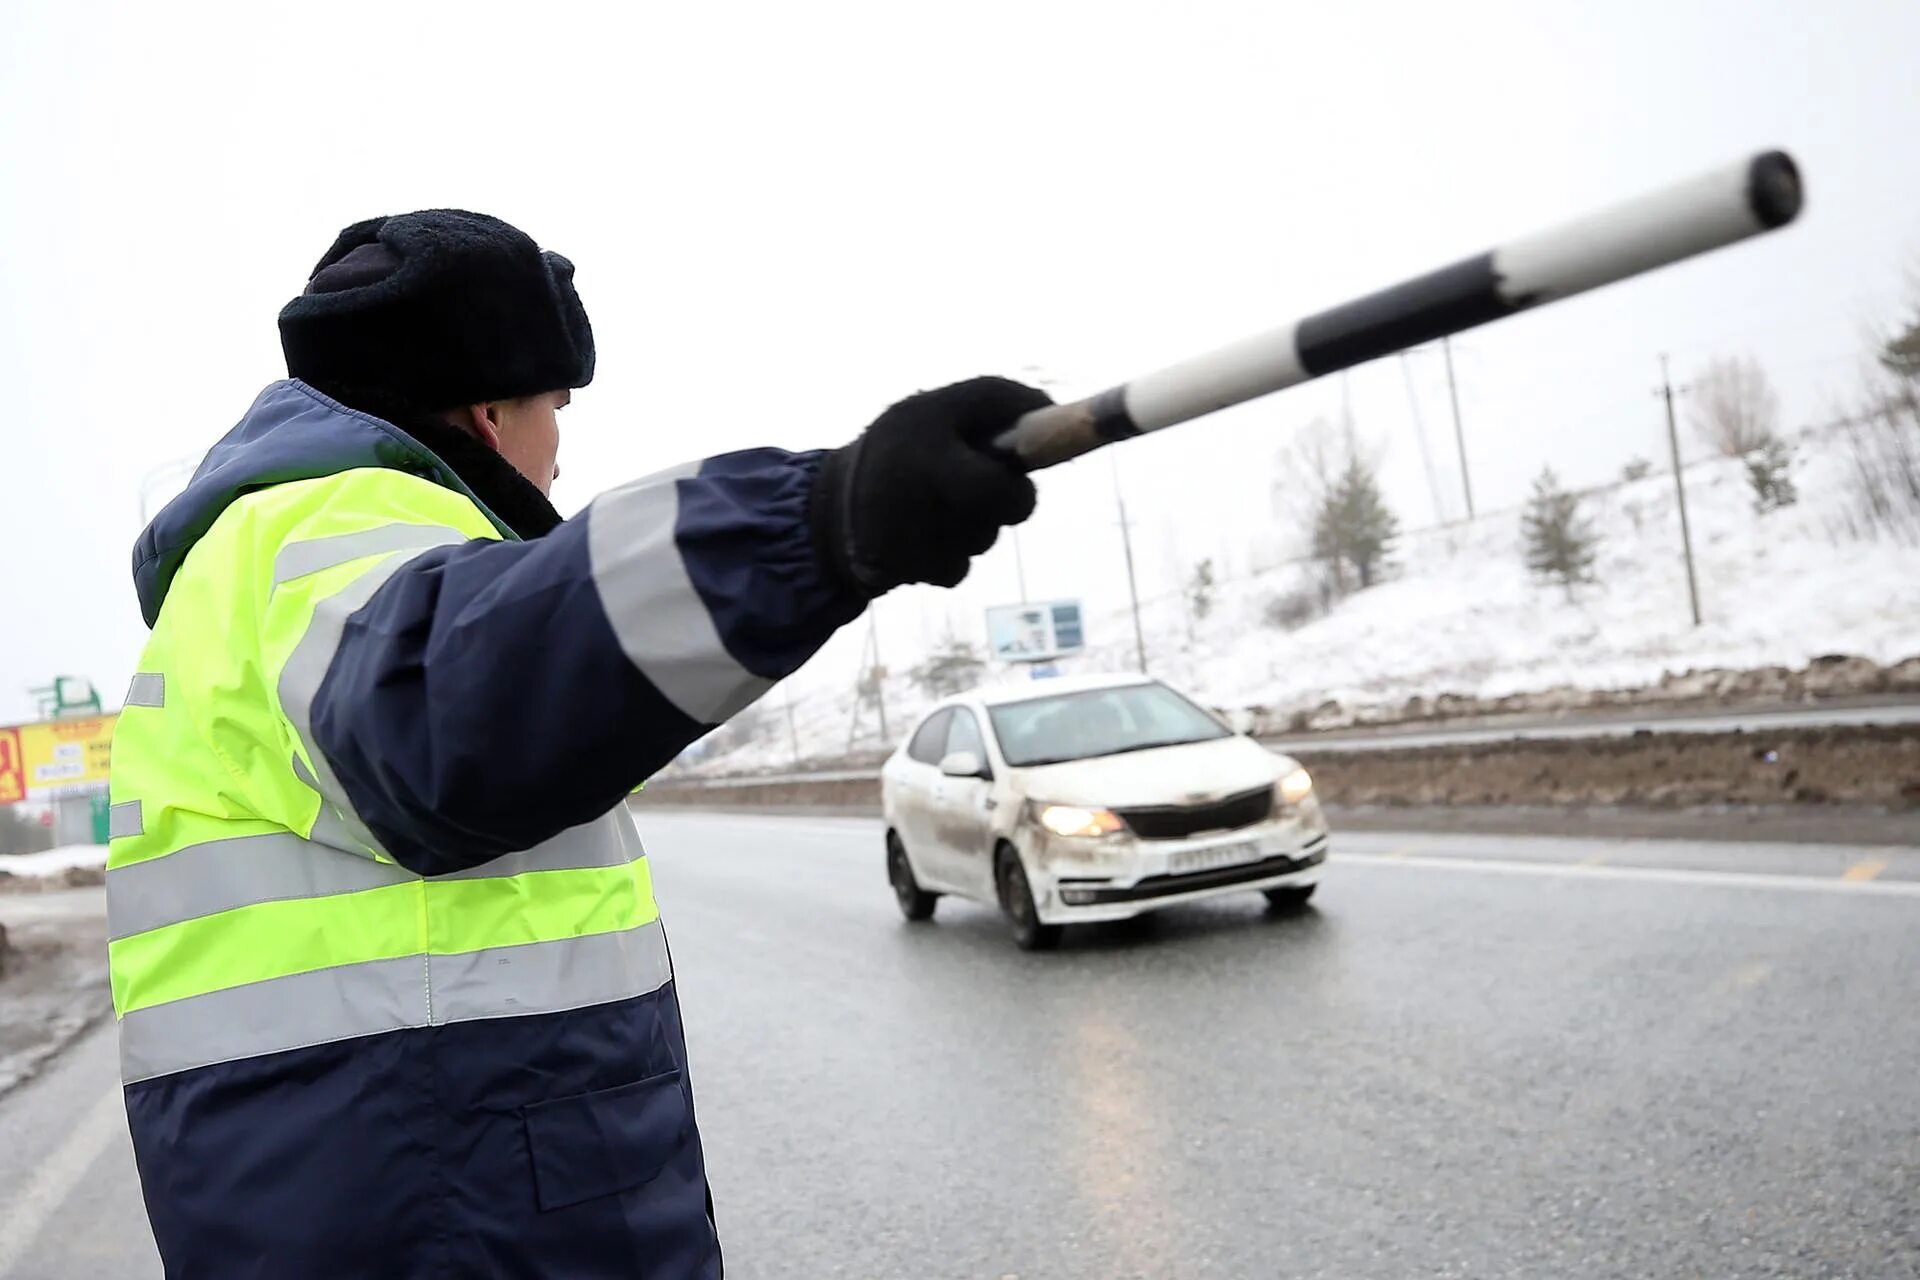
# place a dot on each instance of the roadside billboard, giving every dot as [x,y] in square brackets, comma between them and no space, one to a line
[1035,632]
[57,757]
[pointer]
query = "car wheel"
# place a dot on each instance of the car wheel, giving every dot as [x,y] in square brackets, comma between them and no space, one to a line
[1016,899]
[915,903]
[1290,897]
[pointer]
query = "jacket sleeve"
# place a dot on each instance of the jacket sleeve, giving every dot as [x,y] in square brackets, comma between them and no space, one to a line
[468,700]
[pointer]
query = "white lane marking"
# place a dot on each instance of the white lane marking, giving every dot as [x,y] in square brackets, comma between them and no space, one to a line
[1655,875]
[51,1184]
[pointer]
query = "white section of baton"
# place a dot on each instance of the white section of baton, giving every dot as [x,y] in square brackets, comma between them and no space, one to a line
[1649,231]
[1230,375]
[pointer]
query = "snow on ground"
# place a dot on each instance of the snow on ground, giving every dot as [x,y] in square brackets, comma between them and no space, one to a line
[49,862]
[1460,613]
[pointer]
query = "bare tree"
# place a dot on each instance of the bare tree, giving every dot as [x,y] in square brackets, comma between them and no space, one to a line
[1900,354]
[953,667]
[1735,408]
[1306,470]
[1883,436]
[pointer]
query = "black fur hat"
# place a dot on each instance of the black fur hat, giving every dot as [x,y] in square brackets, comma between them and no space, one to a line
[437,309]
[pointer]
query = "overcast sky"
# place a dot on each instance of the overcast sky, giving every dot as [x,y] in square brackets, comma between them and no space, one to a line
[785,216]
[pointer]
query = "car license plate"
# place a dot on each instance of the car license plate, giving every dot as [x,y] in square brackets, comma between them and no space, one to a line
[1214,857]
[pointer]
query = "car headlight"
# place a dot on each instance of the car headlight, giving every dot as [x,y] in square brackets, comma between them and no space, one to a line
[1071,820]
[1295,787]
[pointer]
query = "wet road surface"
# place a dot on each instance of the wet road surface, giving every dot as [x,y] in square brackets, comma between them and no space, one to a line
[1476,1057]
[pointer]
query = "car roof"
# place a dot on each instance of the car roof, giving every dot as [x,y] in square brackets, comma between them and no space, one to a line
[1027,690]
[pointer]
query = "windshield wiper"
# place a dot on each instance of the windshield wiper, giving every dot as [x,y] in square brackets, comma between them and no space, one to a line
[1150,746]
[1102,755]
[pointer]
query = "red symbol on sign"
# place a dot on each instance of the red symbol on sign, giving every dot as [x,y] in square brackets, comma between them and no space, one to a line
[13,781]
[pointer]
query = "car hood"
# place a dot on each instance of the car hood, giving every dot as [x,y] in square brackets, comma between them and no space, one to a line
[1191,773]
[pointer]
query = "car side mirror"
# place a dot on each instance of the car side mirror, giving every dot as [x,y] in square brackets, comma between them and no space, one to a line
[963,764]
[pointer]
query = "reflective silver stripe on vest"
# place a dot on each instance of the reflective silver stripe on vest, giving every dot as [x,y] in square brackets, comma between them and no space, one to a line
[366,999]
[243,871]
[329,827]
[298,559]
[149,689]
[545,977]
[594,844]
[307,667]
[221,875]
[125,819]
[661,622]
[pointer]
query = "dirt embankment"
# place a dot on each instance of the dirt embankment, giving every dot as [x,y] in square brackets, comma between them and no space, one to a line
[1835,676]
[1868,765]
[71,878]
[1860,766]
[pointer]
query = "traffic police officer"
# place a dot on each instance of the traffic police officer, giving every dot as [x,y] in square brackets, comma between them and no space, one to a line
[393,994]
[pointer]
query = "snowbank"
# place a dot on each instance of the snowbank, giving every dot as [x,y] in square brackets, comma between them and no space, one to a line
[51,862]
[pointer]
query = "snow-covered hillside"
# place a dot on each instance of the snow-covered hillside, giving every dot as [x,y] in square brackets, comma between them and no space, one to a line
[1461,614]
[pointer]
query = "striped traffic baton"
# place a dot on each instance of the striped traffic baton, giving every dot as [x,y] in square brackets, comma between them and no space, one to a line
[1708,212]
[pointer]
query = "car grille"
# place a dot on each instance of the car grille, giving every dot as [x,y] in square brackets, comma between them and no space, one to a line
[1176,822]
[1224,877]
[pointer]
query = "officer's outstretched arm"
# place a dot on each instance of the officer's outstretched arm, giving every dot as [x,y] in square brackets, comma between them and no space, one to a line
[457,698]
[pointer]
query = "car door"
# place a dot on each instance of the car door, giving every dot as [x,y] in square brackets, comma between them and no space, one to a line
[915,790]
[962,844]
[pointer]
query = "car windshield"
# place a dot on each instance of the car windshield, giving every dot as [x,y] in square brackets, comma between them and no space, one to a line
[1099,722]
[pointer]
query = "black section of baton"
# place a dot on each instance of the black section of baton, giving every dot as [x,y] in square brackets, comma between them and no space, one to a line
[1774,192]
[1109,413]
[1415,311]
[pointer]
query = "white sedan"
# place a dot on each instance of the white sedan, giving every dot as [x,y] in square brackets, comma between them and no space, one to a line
[1088,799]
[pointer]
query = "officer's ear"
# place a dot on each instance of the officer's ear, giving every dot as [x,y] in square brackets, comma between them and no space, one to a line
[481,421]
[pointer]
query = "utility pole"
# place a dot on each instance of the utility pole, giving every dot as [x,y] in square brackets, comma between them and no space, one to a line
[879,673]
[793,734]
[1133,589]
[1420,435]
[1019,564]
[1459,436]
[869,669]
[1680,491]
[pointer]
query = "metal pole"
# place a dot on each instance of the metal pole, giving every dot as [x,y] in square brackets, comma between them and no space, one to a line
[1680,490]
[1019,565]
[1459,436]
[793,734]
[1133,589]
[879,673]
[1420,435]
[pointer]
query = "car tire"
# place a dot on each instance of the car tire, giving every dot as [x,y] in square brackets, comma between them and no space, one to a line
[1289,897]
[916,904]
[1016,899]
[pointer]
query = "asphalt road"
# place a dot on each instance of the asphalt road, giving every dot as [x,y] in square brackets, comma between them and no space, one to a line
[1478,1057]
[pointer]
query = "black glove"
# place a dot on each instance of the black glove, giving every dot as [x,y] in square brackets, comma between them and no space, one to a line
[922,491]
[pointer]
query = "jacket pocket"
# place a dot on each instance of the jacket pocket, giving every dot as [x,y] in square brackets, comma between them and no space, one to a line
[595,1144]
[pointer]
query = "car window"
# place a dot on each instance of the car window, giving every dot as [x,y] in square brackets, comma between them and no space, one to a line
[1099,722]
[964,735]
[930,743]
